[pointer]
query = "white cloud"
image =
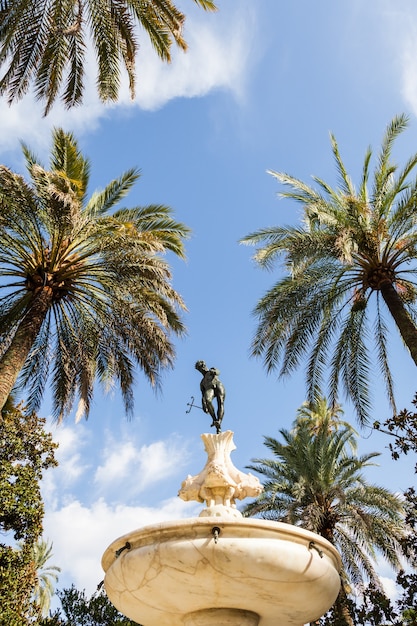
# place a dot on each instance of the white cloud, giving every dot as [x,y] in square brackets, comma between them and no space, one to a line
[132,469]
[71,462]
[390,587]
[118,463]
[214,60]
[219,49]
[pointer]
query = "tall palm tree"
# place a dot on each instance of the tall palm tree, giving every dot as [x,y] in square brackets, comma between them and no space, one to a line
[316,482]
[85,293]
[45,41]
[319,414]
[46,575]
[354,246]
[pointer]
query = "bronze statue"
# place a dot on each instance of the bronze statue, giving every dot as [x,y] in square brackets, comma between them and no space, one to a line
[211,388]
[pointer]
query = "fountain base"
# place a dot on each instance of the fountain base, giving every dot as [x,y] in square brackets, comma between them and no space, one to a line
[222,617]
[220,569]
[160,575]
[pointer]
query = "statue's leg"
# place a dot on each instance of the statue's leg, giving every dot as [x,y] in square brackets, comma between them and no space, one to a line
[220,406]
[209,404]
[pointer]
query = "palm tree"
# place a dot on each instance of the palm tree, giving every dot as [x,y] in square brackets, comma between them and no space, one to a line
[85,293]
[318,415]
[316,482]
[46,575]
[352,245]
[45,41]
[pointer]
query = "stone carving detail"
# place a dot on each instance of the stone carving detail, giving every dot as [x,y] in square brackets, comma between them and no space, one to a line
[219,484]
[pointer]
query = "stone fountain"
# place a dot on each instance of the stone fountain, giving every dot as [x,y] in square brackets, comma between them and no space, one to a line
[220,569]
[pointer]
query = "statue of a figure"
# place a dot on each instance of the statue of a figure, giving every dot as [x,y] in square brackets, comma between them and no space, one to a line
[211,388]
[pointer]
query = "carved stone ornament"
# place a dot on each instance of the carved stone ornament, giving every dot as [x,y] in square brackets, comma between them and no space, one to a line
[219,484]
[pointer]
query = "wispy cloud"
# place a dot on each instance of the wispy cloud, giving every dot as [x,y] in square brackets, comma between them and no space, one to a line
[390,587]
[128,469]
[72,465]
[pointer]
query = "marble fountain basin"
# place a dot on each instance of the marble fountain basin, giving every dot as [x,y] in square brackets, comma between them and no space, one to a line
[164,574]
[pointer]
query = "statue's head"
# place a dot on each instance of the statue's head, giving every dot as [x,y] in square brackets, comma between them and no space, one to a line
[201,366]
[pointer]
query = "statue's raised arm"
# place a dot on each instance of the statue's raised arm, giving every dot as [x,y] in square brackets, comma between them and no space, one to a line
[211,388]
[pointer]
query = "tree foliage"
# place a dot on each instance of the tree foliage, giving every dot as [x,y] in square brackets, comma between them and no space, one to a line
[374,609]
[352,259]
[27,451]
[79,610]
[85,294]
[45,43]
[402,428]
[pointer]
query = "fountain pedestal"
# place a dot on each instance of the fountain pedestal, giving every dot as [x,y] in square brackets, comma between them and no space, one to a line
[225,617]
[220,569]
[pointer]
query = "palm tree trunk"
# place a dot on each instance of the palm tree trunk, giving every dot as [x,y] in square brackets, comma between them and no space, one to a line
[401,317]
[16,354]
[342,609]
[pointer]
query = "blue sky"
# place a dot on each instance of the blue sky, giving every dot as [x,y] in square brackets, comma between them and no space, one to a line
[261,87]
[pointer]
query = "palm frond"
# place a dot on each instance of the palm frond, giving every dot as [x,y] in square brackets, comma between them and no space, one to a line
[101,202]
[346,184]
[384,169]
[381,333]
[53,61]
[207,5]
[74,88]
[162,22]
[24,35]
[104,37]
